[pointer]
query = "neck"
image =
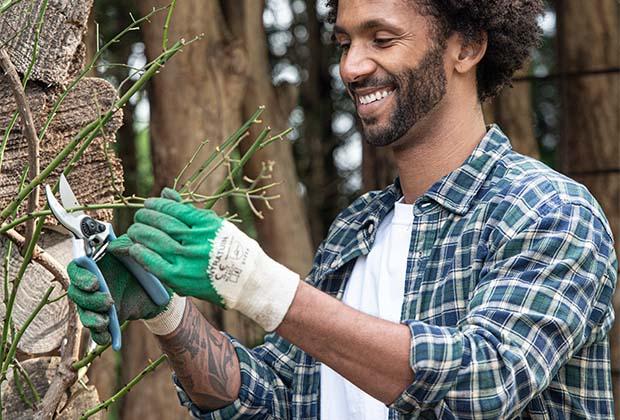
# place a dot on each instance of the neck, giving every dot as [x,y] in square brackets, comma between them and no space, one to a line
[437,145]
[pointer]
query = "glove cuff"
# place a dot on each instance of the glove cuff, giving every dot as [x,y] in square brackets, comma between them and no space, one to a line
[269,292]
[168,321]
[248,280]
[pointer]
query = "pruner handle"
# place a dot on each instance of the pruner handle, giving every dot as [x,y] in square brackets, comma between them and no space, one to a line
[114,328]
[151,284]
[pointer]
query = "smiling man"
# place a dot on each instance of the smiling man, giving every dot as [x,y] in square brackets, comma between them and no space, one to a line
[479,285]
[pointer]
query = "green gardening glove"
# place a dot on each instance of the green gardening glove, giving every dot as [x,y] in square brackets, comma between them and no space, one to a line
[131,300]
[196,253]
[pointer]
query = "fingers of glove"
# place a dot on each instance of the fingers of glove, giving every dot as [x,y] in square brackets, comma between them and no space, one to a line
[186,213]
[153,262]
[82,278]
[120,246]
[102,338]
[170,194]
[154,239]
[91,301]
[171,225]
[94,321]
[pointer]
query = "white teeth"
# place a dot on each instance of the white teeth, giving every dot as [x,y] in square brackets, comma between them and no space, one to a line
[375,96]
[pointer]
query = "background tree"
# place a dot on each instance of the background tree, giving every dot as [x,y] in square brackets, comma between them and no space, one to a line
[590,88]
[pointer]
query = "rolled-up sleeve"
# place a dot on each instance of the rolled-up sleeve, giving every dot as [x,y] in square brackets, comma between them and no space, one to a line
[264,393]
[543,293]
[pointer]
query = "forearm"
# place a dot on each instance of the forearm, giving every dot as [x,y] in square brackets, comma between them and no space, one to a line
[370,352]
[204,361]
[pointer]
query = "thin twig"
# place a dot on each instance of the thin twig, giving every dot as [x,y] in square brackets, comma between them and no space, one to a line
[254,119]
[164,42]
[44,213]
[26,376]
[86,360]
[250,152]
[30,132]
[191,160]
[151,367]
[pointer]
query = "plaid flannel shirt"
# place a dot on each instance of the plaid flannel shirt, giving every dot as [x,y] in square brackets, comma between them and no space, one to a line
[508,296]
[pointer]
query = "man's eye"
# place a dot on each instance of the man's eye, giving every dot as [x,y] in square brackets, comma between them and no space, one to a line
[343,46]
[383,42]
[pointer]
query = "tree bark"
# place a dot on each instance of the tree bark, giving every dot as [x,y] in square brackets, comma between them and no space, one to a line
[206,93]
[284,232]
[512,110]
[589,39]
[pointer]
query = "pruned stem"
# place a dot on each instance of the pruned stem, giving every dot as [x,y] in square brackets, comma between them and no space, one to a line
[95,353]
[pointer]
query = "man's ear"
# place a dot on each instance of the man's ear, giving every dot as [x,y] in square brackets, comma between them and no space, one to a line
[471,52]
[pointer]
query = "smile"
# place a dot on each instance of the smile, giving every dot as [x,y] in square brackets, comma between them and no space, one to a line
[375,96]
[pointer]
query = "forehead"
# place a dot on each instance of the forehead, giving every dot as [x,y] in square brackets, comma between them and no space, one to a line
[359,15]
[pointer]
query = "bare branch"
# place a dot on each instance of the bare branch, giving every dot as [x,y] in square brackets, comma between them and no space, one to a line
[42,257]
[30,131]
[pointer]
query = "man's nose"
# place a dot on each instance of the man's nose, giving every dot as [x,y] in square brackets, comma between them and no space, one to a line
[356,65]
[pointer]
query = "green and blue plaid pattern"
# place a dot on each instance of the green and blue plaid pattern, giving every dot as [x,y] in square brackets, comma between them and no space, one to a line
[508,296]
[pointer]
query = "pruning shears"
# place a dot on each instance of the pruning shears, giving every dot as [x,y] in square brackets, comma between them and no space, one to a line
[90,241]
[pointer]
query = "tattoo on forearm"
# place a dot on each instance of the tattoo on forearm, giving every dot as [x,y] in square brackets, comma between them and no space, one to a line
[203,359]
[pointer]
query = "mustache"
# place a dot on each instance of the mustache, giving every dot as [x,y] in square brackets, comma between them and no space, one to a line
[372,82]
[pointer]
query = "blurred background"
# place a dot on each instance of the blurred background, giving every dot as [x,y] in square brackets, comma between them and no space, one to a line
[563,108]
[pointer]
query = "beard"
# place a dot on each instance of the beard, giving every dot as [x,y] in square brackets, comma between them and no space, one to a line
[417,92]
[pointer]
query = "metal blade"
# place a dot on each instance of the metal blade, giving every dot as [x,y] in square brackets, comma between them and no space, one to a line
[67,197]
[69,221]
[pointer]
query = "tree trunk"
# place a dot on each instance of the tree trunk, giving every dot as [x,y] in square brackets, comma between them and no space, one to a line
[512,110]
[284,232]
[205,93]
[589,39]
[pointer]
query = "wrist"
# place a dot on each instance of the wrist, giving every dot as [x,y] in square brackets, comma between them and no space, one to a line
[168,320]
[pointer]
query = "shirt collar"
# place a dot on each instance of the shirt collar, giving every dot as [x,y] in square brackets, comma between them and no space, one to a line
[456,190]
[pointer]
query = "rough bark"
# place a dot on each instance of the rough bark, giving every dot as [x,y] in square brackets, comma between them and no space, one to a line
[512,110]
[61,51]
[315,161]
[59,59]
[91,98]
[287,222]
[197,97]
[589,39]
[206,93]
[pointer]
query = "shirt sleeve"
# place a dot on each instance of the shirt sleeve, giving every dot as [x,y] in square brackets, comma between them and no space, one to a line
[543,293]
[265,386]
[266,376]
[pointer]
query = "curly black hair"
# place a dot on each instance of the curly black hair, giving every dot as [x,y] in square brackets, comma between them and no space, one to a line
[510,25]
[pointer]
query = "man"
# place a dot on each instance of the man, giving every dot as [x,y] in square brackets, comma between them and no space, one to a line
[479,285]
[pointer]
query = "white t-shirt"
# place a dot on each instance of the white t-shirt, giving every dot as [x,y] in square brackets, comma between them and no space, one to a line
[376,287]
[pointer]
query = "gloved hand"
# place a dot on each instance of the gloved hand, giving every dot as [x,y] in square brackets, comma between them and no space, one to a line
[131,300]
[197,253]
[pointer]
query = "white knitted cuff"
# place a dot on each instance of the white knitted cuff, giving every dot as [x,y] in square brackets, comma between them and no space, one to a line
[168,320]
[271,288]
[248,280]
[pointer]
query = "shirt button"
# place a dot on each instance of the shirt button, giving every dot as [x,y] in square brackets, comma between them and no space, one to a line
[371,228]
[425,205]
